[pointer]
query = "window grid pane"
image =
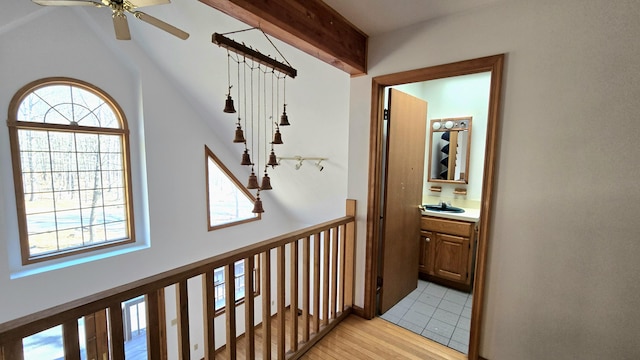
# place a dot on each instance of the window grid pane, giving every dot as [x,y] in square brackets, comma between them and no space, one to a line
[219,284]
[74,183]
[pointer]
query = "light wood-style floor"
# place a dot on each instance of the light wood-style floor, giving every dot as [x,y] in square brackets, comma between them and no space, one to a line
[357,338]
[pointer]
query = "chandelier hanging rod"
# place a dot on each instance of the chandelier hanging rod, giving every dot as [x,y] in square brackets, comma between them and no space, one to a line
[252,54]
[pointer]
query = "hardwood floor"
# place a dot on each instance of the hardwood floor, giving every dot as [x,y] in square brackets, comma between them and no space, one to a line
[357,338]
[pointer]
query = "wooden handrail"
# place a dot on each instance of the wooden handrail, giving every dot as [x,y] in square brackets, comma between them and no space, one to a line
[336,237]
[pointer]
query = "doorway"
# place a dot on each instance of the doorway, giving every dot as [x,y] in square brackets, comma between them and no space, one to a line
[492,64]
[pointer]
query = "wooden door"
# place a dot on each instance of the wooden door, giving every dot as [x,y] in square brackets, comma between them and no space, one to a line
[402,197]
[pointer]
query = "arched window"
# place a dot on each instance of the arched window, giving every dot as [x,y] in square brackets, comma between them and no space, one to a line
[70,154]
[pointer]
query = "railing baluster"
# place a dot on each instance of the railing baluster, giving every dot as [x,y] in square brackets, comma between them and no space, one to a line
[341,240]
[117,331]
[184,343]
[91,341]
[325,278]
[156,344]
[96,335]
[71,340]
[305,288]
[316,283]
[333,263]
[293,325]
[230,309]
[266,305]
[350,235]
[209,313]
[281,302]
[334,272]
[248,308]
[102,334]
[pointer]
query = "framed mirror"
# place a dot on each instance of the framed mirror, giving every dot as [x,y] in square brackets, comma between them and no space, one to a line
[449,149]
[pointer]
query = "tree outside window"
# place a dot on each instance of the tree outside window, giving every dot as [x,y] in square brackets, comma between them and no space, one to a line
[228,201]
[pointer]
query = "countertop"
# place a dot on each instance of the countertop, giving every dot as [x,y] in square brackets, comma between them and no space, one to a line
[470,215]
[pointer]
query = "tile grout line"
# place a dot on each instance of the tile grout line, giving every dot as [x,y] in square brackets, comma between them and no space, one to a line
[412,307]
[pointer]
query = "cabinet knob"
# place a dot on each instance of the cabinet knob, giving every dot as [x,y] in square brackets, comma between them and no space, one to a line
[427,239]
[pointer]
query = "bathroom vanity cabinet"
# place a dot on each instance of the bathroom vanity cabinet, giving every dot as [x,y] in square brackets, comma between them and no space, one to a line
[447,249]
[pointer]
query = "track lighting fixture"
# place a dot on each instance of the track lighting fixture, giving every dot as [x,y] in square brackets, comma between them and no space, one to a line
[300,159]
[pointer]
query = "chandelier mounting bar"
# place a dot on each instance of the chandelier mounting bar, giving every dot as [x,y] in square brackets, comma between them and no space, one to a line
[252,54]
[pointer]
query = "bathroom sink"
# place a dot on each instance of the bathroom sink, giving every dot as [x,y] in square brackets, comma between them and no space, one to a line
[443,208]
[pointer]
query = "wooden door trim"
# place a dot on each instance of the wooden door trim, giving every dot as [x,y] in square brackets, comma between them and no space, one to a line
[494,64]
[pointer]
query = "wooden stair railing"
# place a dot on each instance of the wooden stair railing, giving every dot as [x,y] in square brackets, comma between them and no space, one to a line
[320,254]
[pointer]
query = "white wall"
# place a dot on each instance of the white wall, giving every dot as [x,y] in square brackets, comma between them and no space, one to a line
[564,247]
[169,128]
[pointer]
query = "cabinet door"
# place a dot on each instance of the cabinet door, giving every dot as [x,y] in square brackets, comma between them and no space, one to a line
[452,257]
[425,264]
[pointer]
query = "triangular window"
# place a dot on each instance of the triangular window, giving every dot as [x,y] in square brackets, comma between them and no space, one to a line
[228,201]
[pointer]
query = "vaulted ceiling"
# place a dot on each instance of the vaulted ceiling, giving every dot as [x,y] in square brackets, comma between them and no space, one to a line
[197,69]
[331,30]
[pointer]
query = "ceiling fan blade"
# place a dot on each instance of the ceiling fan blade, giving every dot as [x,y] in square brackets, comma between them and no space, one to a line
[121,26]
[161,24]
[143,3]
[68,3]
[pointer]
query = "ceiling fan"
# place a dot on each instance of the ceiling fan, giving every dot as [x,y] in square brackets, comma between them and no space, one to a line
[119,7]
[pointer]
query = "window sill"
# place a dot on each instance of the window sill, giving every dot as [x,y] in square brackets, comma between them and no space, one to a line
[61,263]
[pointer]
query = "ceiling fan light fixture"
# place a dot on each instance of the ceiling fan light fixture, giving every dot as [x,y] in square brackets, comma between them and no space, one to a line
[119,7]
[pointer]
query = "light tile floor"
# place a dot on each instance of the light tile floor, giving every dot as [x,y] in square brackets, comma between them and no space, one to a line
[436,312]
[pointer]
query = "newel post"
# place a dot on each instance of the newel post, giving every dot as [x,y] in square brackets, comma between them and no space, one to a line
[350,254]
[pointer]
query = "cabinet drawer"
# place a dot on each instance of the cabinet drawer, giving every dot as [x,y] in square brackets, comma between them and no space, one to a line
[460,228]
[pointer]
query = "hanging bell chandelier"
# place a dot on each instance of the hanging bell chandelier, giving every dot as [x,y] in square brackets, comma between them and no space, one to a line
[258,79]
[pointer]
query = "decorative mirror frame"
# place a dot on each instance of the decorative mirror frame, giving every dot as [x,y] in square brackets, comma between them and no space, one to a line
[493,64]
[467,152]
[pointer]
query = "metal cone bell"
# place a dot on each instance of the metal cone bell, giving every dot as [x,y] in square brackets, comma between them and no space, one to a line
[273,160]
[239,135]
[277,137]
[257,206]
[253,181]
[284,119]
[266,182]
[228,105]
[246,159]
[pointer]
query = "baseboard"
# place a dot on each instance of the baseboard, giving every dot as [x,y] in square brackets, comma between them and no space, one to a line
[357,310]
[482,358]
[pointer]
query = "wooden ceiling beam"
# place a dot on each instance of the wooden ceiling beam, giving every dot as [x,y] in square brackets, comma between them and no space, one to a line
[309,25]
